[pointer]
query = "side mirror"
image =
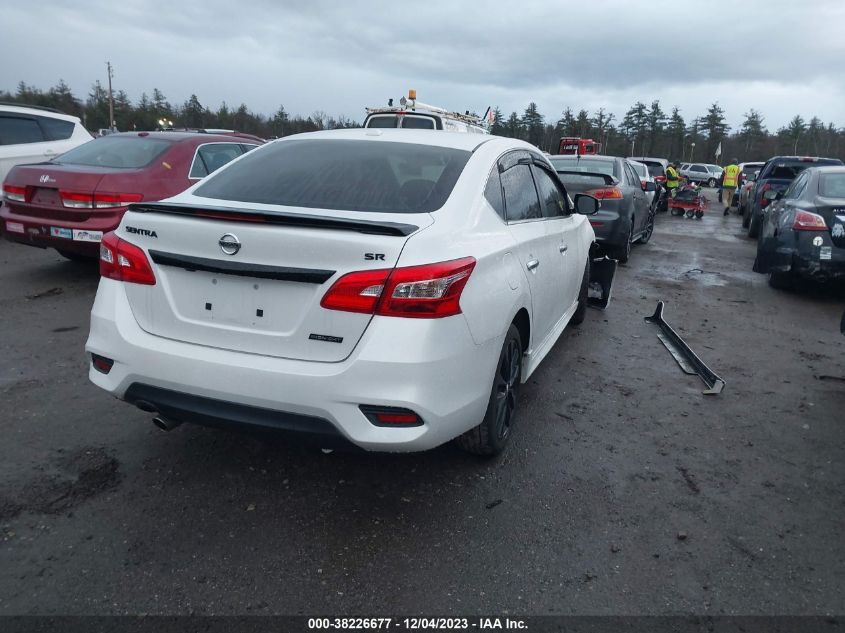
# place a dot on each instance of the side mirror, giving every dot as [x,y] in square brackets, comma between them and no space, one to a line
[771,194]
[586,205]
[648,185]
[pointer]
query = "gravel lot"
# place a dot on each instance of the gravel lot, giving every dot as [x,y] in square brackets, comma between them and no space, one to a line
[625,491]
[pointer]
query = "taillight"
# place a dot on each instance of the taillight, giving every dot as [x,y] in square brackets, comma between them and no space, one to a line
[430,291]
[606,193]
[123,261]
[14,194]
[806,221]
[643,183]
[101,363]
[78,200]
[660,179]
[111,200]
[763,201]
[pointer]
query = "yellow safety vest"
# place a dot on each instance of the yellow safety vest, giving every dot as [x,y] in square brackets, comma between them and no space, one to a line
[671,177]
[731,176]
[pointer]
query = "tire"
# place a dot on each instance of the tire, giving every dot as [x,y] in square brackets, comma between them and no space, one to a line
[493,434]
[746,215]
[753,226]
[699,214]
[76,257]
[623,253]
[782,280]
[649,228]
[583,293]
[711,183]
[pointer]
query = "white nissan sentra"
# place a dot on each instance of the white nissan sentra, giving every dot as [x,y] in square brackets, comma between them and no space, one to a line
[388,289]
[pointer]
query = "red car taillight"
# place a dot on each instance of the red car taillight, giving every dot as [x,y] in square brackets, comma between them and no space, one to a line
[14,194]
[763,201]
[606,193]
[660,179]
[430,291]
[806,221]
[78,200]
[123,261]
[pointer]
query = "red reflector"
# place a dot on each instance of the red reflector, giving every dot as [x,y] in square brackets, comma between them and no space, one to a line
[391,416]
[806,221]
[14,194]
[596,223]
[101,363]
[123,261]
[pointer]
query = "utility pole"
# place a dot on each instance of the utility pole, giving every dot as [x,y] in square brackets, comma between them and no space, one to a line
[111,99]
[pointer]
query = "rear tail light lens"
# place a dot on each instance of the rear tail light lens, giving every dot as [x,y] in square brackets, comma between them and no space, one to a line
[101,363]
[660,179]
[763,201]
[606,193]
[391,416]
[79,200]
[14,194]
[430,291]
[806,221]
[123,261]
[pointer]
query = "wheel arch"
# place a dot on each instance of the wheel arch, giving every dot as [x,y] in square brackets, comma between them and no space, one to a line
[522,321]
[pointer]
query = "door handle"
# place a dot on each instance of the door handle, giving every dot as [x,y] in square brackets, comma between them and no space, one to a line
[563,248]
[533,264]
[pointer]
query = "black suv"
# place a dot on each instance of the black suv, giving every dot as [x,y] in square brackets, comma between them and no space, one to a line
[777,174]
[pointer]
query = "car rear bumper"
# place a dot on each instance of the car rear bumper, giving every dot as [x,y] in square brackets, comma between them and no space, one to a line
[609,227]
[797,253]
[77,235]
[430,366]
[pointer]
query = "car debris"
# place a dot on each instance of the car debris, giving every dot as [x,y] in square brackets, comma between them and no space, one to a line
[602,272]
[689,362]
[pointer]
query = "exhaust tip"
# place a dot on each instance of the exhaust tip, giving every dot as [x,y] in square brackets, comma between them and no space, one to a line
[165,424]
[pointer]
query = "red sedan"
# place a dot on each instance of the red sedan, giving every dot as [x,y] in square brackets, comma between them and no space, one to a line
[70,202]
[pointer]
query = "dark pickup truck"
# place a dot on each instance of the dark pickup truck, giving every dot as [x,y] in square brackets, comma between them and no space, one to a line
[777,174]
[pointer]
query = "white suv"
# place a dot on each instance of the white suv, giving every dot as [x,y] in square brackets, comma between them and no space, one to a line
[384,288]
[31,134]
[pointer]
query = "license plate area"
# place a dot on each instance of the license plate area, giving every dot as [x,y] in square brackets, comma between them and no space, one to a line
[242,303]
[46,197]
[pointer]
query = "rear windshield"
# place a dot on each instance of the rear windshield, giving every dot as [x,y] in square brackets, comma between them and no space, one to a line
[788,170]
[127,152]
[655,169]
[384,120]
[585,165]
[342,174]
[832,185]
[582,179]
[640,169]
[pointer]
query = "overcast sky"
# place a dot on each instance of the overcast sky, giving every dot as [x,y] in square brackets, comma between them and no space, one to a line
[780,57]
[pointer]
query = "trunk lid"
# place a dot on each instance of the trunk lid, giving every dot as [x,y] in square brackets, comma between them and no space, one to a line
[264,298]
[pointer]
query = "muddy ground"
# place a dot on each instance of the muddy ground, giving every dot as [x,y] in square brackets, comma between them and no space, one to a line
[625,490]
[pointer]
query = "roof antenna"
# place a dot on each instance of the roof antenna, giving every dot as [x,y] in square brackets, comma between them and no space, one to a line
[390,103]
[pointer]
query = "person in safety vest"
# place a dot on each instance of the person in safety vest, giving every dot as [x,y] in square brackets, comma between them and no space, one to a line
[730,179]
[672,180]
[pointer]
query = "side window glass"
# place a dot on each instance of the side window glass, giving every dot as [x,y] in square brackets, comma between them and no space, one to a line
[493,192]
[213,156]
[56,129]
[19,131]
[512,158]
[521,201]
[631,176]
[552,199]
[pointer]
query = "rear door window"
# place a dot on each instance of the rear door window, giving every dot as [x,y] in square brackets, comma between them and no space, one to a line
[120,152]
[698,168]
[19,130]
[56,129]
[493,192]
[212,156]
[418,122]
[383,121]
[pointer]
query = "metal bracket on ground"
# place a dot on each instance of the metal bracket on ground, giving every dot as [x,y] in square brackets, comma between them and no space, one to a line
[687,359]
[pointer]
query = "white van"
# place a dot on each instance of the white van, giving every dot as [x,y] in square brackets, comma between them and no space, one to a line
[31,134]
[411,114]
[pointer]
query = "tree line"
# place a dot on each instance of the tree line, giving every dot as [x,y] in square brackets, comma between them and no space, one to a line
[644,130]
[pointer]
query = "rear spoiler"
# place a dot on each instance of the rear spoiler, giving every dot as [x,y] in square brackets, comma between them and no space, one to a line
[608,180]
[275,217]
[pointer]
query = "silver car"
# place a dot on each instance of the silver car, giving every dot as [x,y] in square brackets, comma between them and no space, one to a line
[702,172]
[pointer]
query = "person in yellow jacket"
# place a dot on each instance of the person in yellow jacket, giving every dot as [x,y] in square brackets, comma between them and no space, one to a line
[730,180]
[672,180]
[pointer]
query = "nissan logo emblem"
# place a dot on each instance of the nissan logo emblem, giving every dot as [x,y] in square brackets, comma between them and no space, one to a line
[229,244]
